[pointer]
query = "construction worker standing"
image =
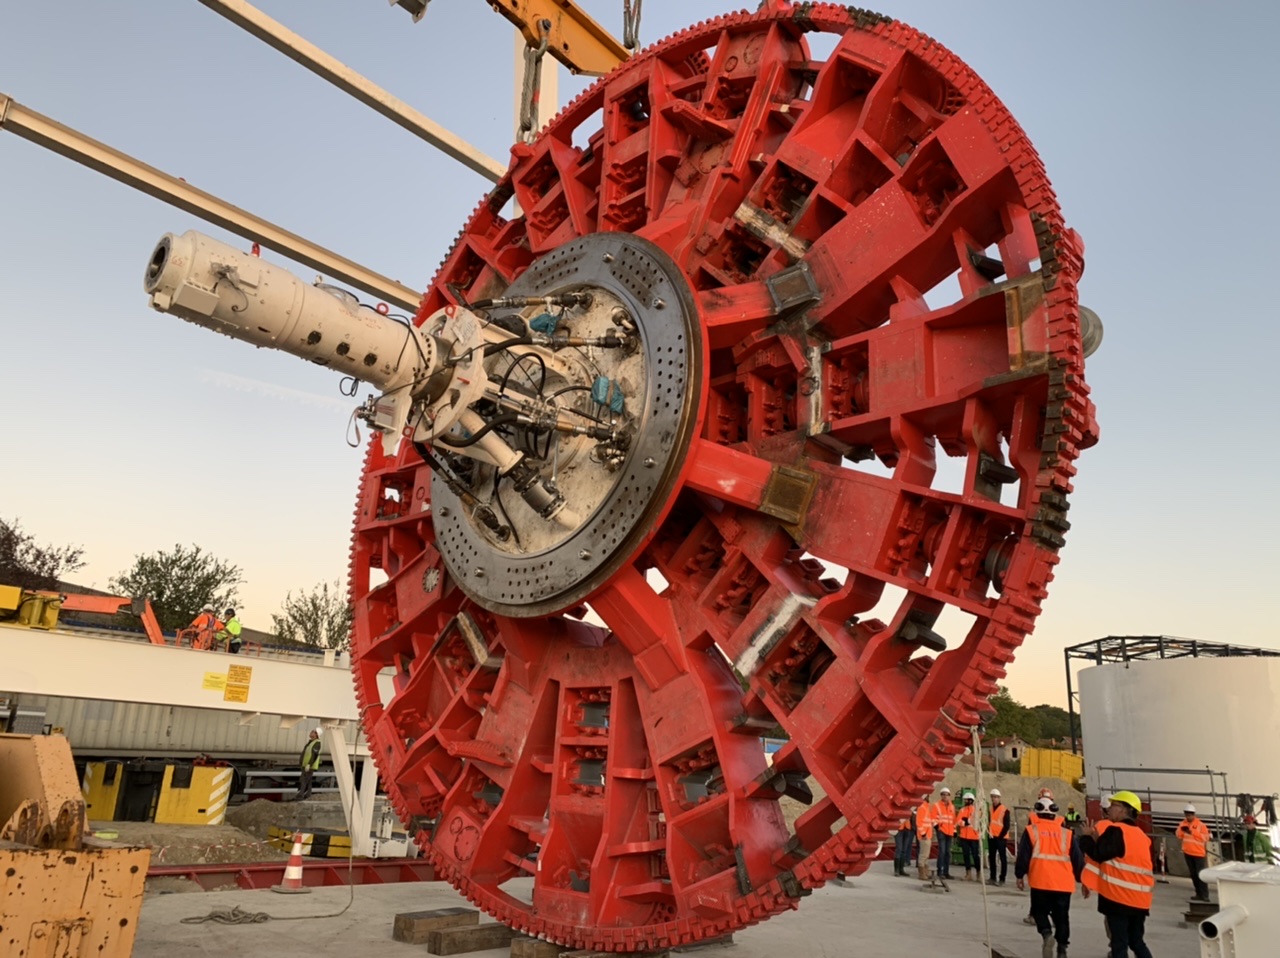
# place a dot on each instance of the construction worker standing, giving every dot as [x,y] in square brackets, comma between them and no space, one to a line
[205,626]
[310,761]
[970,844]
[944,828]
[998,825]
[1049,860]
[230,633]
[924,835]
[1072,818]
[902,841]
[1194,834]
[1118,867]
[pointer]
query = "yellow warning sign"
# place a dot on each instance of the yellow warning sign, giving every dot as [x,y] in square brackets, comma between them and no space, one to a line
[236,693]
[214,681]
[239,674]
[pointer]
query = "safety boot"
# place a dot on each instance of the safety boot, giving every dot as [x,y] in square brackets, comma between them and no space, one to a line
[1047,950]
[968,874]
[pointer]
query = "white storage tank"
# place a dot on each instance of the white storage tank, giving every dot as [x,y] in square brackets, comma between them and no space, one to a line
[1192,713]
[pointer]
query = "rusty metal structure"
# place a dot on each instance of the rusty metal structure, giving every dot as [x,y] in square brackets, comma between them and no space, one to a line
[62,891]
[777,231]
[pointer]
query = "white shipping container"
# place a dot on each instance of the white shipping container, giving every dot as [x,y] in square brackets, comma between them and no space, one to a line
[98,728]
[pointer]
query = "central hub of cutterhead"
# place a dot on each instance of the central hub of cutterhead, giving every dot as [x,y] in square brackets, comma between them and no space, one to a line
[625,415]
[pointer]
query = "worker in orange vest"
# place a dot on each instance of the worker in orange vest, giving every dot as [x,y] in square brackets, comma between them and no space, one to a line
[924,835]
[1194,834]
[1049,860]
[944,829]
[205,625]
[1118,867]
[970,840]
[999,823]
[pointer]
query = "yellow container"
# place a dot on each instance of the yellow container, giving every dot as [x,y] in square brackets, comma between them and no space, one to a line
[101,788]
[194,795]
[1052,763]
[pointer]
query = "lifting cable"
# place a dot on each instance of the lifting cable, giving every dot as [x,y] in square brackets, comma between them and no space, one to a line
[239,916]
[975,732]
[532,89]
[631,24]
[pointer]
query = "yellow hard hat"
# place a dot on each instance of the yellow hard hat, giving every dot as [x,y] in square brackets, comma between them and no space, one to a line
[1130,799]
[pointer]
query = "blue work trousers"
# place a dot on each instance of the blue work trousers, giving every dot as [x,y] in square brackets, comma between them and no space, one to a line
[944,852]
[902,850]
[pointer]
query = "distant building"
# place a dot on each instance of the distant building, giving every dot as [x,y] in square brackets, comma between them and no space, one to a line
[998,749]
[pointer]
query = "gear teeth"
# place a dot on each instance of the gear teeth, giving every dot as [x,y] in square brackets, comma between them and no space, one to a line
[921,761]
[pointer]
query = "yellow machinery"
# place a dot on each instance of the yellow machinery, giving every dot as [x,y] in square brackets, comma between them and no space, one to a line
[177,794]
[62,891]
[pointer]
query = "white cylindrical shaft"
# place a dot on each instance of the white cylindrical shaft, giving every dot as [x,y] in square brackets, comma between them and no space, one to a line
[217,286]
[1216,925]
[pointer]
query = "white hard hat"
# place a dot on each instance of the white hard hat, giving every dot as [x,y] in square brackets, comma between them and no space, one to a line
[995,792]
[945,791]
[1189,808]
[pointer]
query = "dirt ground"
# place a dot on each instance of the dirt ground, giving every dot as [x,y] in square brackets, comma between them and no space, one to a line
[257,816]
[192,844]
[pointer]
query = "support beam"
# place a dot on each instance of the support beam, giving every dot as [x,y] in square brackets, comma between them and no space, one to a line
[80,666]
[357,808]
[74,145]
[277,35]
[576,40]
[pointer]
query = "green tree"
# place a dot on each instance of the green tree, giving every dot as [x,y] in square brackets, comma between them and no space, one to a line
[30,565]
[319,617]
[180,582]
[1012,718]
[1055,723]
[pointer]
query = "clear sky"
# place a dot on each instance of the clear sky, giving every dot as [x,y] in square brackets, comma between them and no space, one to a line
[127,431]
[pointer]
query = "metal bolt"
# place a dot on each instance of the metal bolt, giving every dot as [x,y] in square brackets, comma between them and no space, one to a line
[584,554]
[444,512]
[478,572]
[659,303]
[650,461]
[608,257]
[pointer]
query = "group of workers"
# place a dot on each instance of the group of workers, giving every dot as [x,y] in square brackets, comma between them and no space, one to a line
[943,823]
[211,632]
[1111,858]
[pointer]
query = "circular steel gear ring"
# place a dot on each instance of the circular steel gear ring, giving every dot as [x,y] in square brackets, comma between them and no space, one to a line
[880,271]
[638,274]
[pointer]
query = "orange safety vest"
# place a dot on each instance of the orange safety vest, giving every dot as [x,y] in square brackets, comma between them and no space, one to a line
[998,816]
[904,824]
[968,817]
[1050,868]
[924,822]
[944,816]
[1194,834]
[1127,880]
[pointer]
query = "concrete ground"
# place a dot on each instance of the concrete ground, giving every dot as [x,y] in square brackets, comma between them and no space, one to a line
[879,915]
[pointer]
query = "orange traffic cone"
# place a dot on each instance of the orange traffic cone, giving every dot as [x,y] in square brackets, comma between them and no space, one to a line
[292,884]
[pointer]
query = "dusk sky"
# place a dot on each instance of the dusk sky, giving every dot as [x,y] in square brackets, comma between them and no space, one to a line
[127,431]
